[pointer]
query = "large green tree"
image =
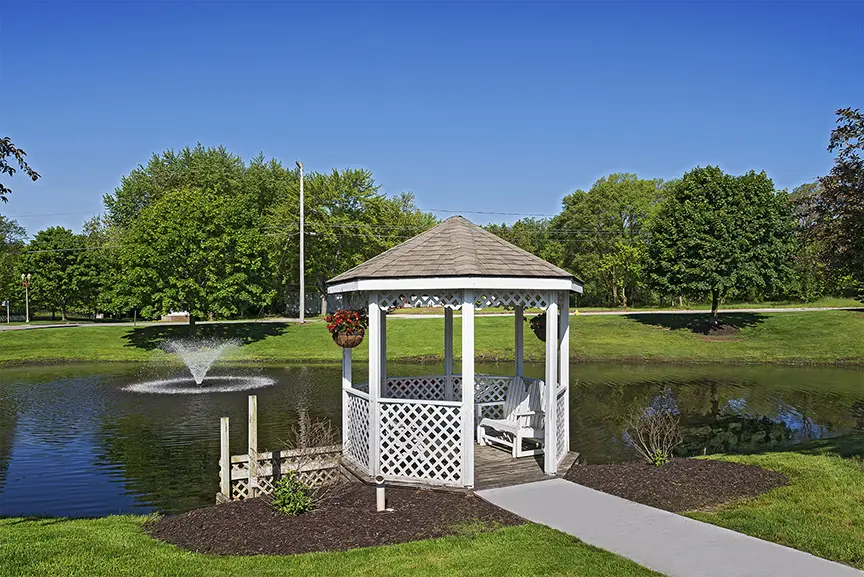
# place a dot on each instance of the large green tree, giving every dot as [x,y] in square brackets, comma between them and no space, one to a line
[534,235]
[193,250]
[12,243]
[11,155]
[838,207]
[347,221]
[716,232]
[56,260]
[602,234]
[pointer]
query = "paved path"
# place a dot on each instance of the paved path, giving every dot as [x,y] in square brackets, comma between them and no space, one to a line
[662,541]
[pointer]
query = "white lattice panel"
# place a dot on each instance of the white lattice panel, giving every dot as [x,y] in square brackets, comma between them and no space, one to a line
[488,388]
[561,420]
[421,442]
[425,388]
[512,298]
[357,441]
[400,299]
[315,467]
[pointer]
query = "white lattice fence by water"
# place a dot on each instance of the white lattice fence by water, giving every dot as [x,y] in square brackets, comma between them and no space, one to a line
[421,441]
[315,467]
[357,441]
[253,474]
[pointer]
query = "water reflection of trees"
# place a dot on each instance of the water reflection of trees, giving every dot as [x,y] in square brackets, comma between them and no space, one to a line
[722,408]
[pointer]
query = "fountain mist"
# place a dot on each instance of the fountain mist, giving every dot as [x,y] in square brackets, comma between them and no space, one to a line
[199,354]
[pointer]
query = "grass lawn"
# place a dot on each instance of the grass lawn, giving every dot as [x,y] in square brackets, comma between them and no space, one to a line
[824,337]
[821,511]
[115,546]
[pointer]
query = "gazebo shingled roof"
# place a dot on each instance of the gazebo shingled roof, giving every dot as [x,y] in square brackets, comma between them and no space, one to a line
[455,247]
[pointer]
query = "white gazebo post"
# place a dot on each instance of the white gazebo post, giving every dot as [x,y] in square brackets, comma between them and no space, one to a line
[519,341]
[346,386]
[448,354]
[468,388]
[564,363]
[374,380]
[383,349]
[550,461]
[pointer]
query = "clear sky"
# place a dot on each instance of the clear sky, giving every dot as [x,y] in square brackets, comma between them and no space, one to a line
[499,107]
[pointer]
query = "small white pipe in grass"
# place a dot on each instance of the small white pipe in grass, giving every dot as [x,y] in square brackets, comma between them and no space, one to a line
[379,494]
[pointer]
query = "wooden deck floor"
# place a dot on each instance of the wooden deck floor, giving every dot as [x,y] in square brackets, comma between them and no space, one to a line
[495,468]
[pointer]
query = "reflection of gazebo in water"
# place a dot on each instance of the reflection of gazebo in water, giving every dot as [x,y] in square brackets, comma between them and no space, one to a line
[422,429]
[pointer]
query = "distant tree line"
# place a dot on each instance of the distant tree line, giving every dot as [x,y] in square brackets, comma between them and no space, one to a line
[201,230]
[710,236]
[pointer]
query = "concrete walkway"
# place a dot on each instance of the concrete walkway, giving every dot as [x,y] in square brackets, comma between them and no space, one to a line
[662,541]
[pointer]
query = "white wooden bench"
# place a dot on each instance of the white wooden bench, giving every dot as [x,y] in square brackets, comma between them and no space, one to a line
[523,420]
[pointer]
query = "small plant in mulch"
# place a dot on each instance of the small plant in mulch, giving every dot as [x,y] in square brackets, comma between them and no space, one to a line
[347,327]
[655,431]
[291,495]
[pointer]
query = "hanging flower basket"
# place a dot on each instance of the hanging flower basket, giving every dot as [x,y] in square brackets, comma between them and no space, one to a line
[347,327]
[538,325]
[348,340]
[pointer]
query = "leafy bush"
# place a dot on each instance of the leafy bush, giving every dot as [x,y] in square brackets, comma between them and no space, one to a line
[291,495]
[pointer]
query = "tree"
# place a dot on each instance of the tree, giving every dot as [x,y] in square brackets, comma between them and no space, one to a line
[7,150]
[347,221]
[211,168]
[602,233]
[12,244]
[193,250]
[838,208]
[533,235]
[716,232]
[54,258]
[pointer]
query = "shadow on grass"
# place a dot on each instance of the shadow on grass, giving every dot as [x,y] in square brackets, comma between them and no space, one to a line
[152,337]
[697,322]
[847,446]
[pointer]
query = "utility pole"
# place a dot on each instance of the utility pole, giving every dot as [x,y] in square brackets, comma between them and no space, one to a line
[302,251]
[25,280]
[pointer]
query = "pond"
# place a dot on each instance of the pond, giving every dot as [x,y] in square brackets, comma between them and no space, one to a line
[73,442]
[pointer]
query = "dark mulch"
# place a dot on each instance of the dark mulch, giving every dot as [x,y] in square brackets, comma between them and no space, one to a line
[681,484]
[348,521]
[710,329]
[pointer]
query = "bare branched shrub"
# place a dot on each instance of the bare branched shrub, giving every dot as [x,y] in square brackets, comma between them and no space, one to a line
[306,439]
[654,433]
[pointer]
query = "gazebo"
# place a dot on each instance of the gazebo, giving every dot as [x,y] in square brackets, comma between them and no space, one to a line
[421,430]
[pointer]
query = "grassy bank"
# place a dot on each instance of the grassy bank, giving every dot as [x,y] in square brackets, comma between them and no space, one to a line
[819,512]
[824,337]
[116,546]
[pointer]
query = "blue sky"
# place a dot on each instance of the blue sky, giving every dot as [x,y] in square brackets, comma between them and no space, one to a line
[472,106]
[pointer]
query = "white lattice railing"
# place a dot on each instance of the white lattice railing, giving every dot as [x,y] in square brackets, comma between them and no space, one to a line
[429,388]
[561,422]
[421,441]
[315,467]
[356,447]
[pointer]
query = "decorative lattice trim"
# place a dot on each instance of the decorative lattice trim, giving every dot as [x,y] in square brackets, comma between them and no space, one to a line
[453,299]
[561,420]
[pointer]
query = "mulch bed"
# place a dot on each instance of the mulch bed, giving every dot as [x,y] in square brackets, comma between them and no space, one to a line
[347,521]
[681,484]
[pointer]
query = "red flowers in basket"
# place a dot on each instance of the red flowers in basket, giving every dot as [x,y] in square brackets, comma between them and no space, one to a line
[347,327]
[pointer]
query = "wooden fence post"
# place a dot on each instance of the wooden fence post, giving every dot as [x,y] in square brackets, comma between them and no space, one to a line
[253,446]
[225,461]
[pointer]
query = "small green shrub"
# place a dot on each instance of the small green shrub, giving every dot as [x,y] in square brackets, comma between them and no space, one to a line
[291,495]
[659,458]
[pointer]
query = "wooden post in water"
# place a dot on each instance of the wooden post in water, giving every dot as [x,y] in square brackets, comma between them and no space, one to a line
[224,461]
[253,446]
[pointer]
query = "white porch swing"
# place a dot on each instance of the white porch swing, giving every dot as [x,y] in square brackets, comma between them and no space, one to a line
[421,430]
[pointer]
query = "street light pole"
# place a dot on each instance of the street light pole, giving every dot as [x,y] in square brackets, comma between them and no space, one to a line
[302,250]
[25,280]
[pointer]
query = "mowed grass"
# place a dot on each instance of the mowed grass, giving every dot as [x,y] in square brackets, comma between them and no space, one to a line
[824,337]
[820,512]
[117,546]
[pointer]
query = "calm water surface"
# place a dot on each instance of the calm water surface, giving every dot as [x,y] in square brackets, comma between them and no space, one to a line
[74,443]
